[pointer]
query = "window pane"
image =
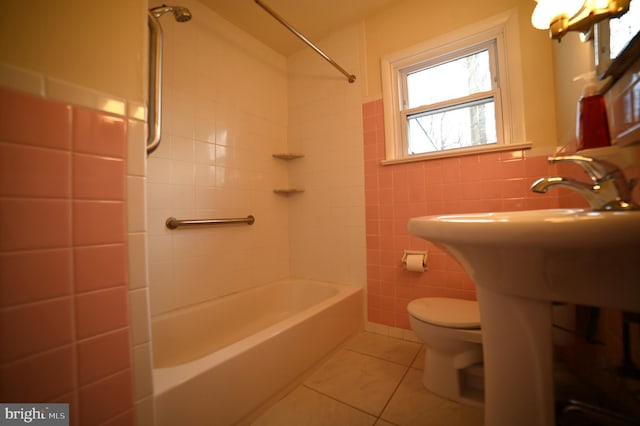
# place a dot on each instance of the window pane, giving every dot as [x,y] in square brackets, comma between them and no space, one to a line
[623,29]
[461,126]
[449,80]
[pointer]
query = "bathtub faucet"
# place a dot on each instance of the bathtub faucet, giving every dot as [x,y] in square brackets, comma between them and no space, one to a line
[608,190]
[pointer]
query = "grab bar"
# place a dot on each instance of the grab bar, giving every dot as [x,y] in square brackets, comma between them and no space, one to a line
[173,223]
[155,83]
[280,19]
[181,14]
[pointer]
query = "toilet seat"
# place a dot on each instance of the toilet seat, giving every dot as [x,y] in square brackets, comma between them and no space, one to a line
[446,312]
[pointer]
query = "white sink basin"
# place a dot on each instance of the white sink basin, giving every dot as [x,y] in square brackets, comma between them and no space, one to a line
[568,255]
[521,262]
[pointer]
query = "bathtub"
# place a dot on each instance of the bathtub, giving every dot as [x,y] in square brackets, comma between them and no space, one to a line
[219,362]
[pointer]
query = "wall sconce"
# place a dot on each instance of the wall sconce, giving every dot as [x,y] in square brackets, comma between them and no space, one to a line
[560,16]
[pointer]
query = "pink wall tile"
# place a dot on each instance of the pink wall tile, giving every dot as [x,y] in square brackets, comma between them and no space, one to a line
[32,328]
[39,378]
[34,275]
[101,311]
[105,399]
[395,193]
[63,269]
[71,399]
[33,121]
[102,356]
[98,133]
[34,172]
[34,224]
[98,267]
[98,222]
[98,178]
[128,418]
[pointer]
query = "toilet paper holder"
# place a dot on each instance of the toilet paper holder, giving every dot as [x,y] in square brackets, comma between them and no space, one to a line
[415,252]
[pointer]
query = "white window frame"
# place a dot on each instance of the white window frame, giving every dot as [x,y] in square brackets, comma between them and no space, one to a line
[508,91]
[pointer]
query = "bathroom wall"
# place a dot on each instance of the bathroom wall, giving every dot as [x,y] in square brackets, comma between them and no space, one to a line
[225,114]
[482,182]
[407,23]
[64,320]
[326,221]
[395,193]
[64,274]
[101,47]
[597,363]
[571,58]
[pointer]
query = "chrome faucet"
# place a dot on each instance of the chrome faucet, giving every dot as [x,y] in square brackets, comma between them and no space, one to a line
[608,190]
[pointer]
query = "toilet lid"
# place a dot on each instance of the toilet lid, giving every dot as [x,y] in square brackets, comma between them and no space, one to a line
[446,312]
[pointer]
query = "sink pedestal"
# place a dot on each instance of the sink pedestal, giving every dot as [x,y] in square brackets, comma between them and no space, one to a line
[521,262]
[518,359]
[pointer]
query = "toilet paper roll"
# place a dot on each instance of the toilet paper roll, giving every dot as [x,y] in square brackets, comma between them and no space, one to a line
[415,263]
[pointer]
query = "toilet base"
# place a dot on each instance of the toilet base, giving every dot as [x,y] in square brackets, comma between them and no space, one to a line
[444,376]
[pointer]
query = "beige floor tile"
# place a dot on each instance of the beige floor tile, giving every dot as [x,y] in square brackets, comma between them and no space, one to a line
[394,350]
[305,407]
[419,361]
[413,405]
[382,422]
[358,380]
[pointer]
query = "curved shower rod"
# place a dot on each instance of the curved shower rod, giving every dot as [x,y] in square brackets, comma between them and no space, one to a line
[280,19]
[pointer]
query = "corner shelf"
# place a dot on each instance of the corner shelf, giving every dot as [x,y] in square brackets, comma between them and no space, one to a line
[286,156]
[288,191]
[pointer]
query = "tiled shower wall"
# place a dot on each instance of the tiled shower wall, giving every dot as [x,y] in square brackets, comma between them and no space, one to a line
[64,318]
[225,114]
[326,221]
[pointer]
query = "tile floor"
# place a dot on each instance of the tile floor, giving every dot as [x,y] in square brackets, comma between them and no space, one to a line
[371,380]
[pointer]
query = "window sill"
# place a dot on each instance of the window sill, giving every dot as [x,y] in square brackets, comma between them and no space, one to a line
[457,153]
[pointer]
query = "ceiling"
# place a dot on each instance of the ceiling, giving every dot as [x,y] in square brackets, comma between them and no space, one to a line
[314,19]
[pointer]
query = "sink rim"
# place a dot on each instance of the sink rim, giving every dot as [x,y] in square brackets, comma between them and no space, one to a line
[544,228]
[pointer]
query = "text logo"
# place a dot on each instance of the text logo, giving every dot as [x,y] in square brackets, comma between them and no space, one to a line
[34,414]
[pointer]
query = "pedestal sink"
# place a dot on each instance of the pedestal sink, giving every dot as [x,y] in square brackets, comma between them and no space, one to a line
[521,262]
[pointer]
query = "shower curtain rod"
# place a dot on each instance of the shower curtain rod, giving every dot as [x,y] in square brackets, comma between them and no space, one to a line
[280,19]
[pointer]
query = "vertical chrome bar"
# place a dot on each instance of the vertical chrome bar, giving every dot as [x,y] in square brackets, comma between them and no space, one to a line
[280,19]
[155,84]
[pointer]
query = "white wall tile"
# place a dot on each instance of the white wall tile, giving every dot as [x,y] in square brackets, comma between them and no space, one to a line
[326,126]
[22,80]
[136,148]
[142,378]
[215,161]
[137,246]
[139,303]
[136,206]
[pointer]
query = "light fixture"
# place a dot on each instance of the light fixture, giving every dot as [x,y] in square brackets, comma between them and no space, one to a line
[560,16]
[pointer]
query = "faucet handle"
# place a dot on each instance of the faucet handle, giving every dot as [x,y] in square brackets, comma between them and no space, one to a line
[596,169]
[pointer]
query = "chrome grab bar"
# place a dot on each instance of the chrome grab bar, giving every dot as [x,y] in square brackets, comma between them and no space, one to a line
[350,77]
[181,14]
[173,223]
[155,83]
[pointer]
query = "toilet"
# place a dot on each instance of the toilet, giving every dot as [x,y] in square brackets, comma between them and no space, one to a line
[450,331]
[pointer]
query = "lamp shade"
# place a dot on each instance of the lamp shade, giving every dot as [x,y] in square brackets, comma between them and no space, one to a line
[547,10]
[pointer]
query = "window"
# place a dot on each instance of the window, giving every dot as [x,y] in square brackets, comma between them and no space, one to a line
[612,36]
[458,114]
[453,95]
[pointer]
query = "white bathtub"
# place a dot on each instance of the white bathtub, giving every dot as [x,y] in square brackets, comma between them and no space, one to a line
[218,362]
